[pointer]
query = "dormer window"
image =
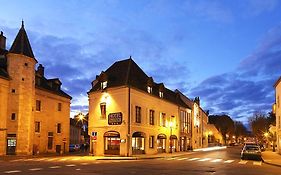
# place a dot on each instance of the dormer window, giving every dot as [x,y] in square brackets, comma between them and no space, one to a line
[103,84]
[161,95]
[149,89]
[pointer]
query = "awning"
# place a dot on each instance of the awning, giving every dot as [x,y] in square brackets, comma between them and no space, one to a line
[173,137]
[139,134]
[111,134]
[161,136]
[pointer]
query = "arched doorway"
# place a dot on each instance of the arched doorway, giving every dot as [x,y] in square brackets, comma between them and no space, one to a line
[138,143]
[112,143]
[161,143]
[173,143]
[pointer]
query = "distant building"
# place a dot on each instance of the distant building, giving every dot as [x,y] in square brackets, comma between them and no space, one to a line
[277,109]
[214,136]
[75,131]
[34,111]
[131,114]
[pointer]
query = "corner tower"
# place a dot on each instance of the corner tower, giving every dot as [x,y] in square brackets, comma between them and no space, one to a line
[21,69]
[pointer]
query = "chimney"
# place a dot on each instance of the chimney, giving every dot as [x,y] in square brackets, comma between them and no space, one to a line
[40,70]
[197,100]
[2,41]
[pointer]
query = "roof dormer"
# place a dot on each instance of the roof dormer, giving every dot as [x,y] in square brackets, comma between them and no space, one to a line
[149,85]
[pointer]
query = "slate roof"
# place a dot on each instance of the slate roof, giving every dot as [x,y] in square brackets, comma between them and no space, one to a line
[128,73]
[3,64]
[50,85]
[21,44]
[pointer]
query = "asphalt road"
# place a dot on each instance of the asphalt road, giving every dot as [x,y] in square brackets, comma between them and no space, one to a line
[220,162]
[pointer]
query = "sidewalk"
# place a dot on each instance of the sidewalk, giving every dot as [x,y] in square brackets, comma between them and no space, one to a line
[134,157]
[271,158]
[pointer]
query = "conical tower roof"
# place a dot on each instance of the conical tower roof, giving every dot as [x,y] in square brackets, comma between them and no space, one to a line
[21,44]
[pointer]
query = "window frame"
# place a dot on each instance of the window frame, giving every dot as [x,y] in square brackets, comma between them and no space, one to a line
[138,114]
[38,105]
[151,117]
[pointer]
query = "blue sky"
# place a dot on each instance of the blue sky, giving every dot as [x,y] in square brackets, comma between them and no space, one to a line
[227,52]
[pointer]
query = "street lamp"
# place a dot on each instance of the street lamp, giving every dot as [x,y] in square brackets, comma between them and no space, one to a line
[171,143]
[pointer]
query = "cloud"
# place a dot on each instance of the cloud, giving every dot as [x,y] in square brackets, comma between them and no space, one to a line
[209,10]
[250,87]
[256,7]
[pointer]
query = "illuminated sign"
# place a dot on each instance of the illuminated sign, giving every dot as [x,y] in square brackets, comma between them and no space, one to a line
[115,118]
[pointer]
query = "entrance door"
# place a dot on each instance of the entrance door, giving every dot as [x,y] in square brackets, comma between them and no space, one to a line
[11,144]
[112,143]
[161,143]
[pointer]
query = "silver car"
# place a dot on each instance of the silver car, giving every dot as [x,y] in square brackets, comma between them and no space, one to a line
[251,152]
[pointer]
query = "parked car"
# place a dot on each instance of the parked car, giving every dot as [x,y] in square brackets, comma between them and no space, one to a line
[251,152]
[74,147]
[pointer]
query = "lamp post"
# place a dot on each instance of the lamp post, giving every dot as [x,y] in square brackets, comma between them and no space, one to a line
[171,142]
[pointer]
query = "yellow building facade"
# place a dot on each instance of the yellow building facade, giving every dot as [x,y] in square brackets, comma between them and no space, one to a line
[131,114]
[34,110]
[277,110]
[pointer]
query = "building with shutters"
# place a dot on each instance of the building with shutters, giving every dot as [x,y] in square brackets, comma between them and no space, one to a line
[131,114]
[34,111]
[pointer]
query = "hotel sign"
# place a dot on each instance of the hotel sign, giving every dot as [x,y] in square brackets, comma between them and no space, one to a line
[115,118]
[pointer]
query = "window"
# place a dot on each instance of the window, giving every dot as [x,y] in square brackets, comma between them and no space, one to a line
[37,127]
[59,106]
[189,122]
[50,140]
[103,85]
[138,114]
[22,79]
[161,95]
[151,142]
[38,105]
[26,64]
[59,128]
[151,117]
[163,119]
[103,110]
[149,89]
[13,116]
[13,91]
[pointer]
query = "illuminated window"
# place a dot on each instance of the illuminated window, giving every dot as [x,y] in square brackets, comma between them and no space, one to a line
[103,85]
[149,89]
[103,110]
[38,105]
[37,127]
[59,128]
[151,117]
[161,95]
[138,114]
[151,142]
[163,119]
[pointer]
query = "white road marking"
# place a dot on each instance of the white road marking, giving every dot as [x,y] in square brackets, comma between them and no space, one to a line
[54,167]
[16,160]
[205,159]
[229,161]
[217,160]
[84,163]
[193,159]
[71,165]
[182,158]
[14,171]
[35,169]
[242,162]
[257,163]
[78,169]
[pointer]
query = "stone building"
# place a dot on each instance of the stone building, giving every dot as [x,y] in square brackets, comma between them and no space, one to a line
[34,111]
[277,111]
[131,114]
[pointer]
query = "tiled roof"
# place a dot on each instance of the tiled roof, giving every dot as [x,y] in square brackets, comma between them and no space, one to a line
[21,44]
[50,85]
[127,72]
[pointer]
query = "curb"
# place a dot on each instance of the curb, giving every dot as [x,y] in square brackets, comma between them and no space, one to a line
[272,164]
